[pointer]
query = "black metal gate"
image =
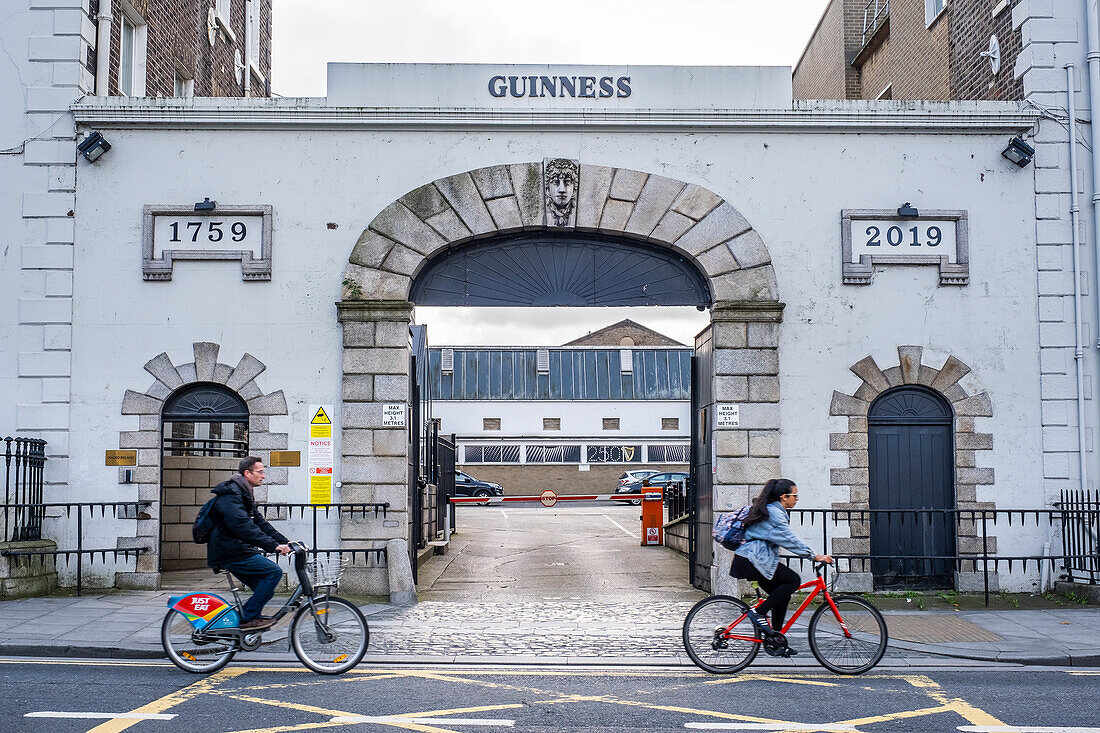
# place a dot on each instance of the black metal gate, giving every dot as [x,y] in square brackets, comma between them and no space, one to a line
[911,460]
[701,489]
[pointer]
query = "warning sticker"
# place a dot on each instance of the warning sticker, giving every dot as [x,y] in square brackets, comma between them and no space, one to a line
[320,458]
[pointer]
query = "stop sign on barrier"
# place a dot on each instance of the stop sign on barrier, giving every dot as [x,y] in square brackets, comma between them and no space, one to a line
[548,498]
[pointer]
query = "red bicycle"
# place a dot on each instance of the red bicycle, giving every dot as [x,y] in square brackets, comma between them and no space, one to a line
[847,634]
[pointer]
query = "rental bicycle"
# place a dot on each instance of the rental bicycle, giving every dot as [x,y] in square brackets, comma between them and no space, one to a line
[847,633]
[201,632]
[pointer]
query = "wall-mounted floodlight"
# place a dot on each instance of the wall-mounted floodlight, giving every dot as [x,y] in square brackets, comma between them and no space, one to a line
[1018,152]
[93,146]
[206,204]
[906,210]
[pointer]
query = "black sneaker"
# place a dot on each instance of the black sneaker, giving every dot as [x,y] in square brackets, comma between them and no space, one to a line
[788,652]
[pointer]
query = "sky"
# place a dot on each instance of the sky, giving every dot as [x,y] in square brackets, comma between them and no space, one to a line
[309,33]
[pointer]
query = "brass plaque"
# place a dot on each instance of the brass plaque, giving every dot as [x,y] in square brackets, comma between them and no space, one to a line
[285,458]
[121,458]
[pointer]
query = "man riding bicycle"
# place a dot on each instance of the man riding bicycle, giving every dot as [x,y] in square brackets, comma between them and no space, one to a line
[238,531]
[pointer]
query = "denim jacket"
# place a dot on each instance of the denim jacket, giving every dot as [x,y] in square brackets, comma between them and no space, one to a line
[763,540]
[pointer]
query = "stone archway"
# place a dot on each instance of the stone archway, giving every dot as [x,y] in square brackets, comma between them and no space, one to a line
[555,195]
[168,379]
[966,407]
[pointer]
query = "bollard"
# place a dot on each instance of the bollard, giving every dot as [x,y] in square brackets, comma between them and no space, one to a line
[653,515]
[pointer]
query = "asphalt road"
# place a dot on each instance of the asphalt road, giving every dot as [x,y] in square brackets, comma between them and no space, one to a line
[50,695]
[585,551]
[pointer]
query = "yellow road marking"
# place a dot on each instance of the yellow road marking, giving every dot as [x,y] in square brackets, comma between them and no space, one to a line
[973,714]
[170,700]
[772,678]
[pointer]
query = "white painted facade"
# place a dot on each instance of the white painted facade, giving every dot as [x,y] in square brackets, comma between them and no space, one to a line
[327,168]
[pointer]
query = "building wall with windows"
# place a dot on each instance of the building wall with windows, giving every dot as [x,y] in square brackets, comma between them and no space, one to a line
[571,419]
[167,48]
[917,49]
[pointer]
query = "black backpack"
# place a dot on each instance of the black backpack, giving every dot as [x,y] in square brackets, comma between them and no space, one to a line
[204,523]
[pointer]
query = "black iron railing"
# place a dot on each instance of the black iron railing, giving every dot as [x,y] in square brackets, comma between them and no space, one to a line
[350,509]
[1081,534]
[118,509]
[922,543]
[207,447]
[24,464]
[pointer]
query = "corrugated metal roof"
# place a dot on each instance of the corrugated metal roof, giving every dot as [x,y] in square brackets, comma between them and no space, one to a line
[575,374]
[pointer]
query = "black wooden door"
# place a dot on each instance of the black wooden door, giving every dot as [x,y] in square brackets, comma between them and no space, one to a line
[911,468]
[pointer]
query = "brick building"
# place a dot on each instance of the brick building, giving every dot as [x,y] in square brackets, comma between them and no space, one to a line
[185,48]
[911,49]
[569,418]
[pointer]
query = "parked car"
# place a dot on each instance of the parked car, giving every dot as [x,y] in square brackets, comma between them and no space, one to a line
[632,491]
[467,485]
[637,475]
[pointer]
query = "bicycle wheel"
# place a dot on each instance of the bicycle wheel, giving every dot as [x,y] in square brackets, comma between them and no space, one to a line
[332,641]
[176,636]
[853,653]
[705,629]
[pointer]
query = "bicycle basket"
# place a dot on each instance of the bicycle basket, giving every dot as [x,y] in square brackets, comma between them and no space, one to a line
[326,571]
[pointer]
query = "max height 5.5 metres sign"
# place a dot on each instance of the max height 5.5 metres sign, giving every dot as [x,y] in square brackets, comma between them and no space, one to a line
[320,461]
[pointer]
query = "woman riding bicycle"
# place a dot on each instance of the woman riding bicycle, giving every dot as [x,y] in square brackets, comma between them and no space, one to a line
[767,528]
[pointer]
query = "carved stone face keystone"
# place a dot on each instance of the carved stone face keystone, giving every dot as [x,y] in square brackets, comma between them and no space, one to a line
[560,181]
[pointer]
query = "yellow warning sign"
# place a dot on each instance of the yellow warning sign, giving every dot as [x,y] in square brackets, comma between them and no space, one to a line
[321,418]
[320,431]
[320,489]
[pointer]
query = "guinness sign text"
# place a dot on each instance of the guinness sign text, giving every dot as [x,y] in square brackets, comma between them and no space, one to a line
[585,87]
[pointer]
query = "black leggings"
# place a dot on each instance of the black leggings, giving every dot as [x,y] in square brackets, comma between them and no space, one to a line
[780,587]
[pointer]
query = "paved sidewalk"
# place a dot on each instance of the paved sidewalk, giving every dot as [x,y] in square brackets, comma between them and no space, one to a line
[127,624]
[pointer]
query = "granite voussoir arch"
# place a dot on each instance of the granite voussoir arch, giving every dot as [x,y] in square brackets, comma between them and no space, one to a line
[505,199]
[968,476]
[169,378]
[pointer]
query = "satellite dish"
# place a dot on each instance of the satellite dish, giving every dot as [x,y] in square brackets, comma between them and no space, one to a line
[212,26]
[994,55]
[238,65]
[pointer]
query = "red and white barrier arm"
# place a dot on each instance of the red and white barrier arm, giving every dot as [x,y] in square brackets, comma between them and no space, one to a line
[549,498]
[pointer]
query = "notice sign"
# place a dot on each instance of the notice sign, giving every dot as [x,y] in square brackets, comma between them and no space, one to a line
[393,416]
[728,416]
[320,461]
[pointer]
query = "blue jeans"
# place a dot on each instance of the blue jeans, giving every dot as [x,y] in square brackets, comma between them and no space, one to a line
[259,574]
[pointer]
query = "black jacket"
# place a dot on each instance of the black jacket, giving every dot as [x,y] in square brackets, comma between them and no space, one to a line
[238,527]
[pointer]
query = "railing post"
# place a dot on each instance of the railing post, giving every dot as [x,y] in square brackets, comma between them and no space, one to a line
[79,549]
[985,557]
[7,486]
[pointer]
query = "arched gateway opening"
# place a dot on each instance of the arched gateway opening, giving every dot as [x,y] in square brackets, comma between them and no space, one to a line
[556,233]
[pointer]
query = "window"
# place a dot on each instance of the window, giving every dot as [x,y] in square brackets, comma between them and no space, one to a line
[253,32]
[183,86]
[667,453]
[221,9]
[611,423]
[551,423]
[490,423]
[932,10]
[126,61]
[670,423]
[131,62]
[492,454]
[553,454]
[626,360]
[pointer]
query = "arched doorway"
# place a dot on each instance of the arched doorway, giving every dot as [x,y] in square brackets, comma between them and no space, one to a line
[911,456]
[556,216]
[204,433]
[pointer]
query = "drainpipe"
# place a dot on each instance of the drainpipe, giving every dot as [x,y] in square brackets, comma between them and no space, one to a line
[1093,57]
[1075,218]
[103,48]
[247,47]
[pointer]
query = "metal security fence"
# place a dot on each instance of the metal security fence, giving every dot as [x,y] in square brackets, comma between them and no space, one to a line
[677,501]
[1081,534]
[24,464]
[77,510]
[321,514]
[972,543]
